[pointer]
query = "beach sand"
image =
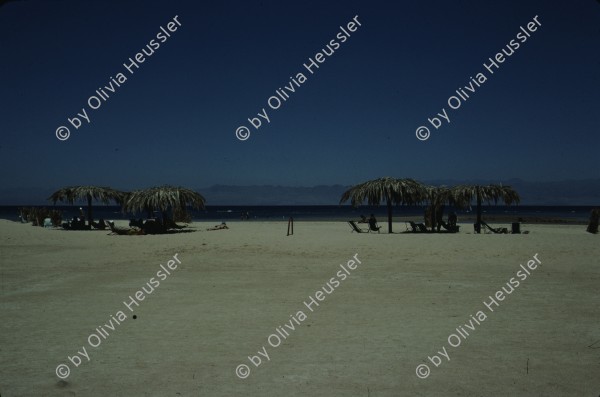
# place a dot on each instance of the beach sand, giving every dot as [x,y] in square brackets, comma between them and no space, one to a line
[233,287]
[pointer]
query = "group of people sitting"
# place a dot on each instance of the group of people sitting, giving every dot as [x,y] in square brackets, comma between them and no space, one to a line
[78,223]
[434,219]
[450,226]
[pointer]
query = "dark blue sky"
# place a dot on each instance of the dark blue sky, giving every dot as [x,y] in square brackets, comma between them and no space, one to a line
[173,121]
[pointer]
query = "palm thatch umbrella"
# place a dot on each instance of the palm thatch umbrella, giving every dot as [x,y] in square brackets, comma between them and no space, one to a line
[90,193]
[391,190]
[163,198]
[464,194]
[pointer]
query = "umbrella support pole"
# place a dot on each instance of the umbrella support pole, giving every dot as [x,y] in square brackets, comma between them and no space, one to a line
[290,226]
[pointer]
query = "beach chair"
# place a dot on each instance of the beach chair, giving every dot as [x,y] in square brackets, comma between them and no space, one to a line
[373,227]
[100,225]
[47,222]
[357,229]
[75,224]
[449,227]
[498,230]
[122,231]
[417,227]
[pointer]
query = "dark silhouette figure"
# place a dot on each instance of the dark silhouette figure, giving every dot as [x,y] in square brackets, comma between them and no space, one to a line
[452,219]
[373,224]
[594,217]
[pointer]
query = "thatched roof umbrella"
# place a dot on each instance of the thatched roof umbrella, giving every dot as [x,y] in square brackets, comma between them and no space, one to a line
[391,190]
[466,193]
[163,198]
[90,193]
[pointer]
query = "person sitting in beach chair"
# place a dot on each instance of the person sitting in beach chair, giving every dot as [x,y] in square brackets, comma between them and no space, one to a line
[451,226]
[451,229]
[222,226]
[417,227]
[66,225]
[153,226]
[498,230]
[373,224]
[452,219]
[23,217]
[122,231]
[357,229]
[77,223]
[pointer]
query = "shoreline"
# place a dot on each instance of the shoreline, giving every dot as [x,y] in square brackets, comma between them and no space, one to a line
[571,215]
[464,222]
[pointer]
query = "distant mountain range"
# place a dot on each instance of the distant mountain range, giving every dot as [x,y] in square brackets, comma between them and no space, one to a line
[570,192]
[581,192]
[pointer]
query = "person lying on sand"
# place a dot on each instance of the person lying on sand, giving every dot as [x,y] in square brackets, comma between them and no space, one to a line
[219,227]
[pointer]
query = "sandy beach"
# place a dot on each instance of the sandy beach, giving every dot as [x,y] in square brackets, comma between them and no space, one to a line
[234,289]
[437,161]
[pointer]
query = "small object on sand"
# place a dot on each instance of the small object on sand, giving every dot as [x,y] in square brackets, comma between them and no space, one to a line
[134,316]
